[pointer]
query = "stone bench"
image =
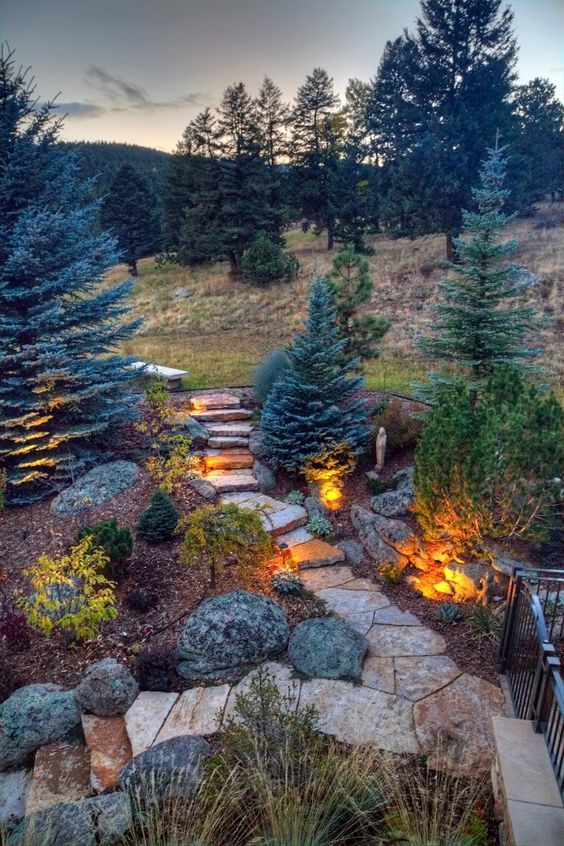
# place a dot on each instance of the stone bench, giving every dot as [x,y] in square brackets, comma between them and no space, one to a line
[172,376]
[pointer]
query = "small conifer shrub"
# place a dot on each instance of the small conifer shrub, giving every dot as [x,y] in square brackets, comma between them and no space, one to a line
[266,262]
[159,521]
[117,543]
[268,372]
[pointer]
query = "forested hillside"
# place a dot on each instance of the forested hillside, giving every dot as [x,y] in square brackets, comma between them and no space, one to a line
[103,159]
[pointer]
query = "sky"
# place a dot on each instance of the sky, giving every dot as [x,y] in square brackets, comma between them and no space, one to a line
[139,70]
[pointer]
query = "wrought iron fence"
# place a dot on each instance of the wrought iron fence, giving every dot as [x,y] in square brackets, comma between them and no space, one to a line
[530,653]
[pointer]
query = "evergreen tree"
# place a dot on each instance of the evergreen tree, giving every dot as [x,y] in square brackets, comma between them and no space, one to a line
[316,140]
[475,326]
[272,119]
[352,287]
[130,212]
[313,407]
[538,143]
[61,383]
[451,95]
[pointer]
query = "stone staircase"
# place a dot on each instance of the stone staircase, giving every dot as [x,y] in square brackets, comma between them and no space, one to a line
[229,469]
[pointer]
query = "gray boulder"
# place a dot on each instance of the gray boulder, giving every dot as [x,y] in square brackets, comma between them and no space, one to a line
[203,487]
[13,787]
[199,435]
[229,631]
[381,553]
[96,487]
[391,503]
[108,689]
[265,477]
[328,648]
[100,821]
[394,533]
[168,770]
[32,717]
[183,293]
[354,551]
[256,444]
[315,507]
[404,479]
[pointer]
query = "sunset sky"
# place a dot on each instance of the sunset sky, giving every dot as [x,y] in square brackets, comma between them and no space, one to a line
[139,70]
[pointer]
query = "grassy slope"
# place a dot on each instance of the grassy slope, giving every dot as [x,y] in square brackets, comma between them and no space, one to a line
[222,331]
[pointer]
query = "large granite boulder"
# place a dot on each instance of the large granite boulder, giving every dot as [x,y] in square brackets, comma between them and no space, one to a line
[391,503]
[32,717]
[108,689]
[101,821]
[354,551]
[168,770]
[229,631]
[328,648]
[96,487]
[381,552]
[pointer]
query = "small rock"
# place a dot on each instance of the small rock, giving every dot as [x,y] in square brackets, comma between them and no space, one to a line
[183,293]
[107,689]
[465,578]
[169,769]
[396,534]
[503,563]
[391,503]
[13,789]
[96,487]
[229,631]
[354,552]
[404,480]
[256,444]
[326,647]
[199,435]
[32,717]
[203,487]
[265,477]
[314,507]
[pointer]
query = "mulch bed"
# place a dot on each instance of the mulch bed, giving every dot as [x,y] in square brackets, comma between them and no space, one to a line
[177,589]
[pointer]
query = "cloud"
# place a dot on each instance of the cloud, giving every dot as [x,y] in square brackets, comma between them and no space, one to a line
[78,109]
[115,89]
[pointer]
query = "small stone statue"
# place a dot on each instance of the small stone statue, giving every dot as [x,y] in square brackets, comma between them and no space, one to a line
[486,590]
[381,439]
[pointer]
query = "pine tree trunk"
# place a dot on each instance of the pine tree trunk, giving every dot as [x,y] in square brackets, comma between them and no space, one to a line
[133,267]
[330,235]
[451,253]
[234,262]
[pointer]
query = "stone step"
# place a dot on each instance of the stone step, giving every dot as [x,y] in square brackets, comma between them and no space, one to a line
[227,481]
[228,443]
[241,429]
[294,538]
[316,553]
[222,415]
[110,749]
[233,460]
[145,718]
[277,517]
[197,711]
[61,774]
[206,402]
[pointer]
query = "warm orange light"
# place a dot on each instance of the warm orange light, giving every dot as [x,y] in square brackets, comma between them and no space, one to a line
[331,495]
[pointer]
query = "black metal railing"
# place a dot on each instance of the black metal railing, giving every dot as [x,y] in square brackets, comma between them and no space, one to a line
[530,653]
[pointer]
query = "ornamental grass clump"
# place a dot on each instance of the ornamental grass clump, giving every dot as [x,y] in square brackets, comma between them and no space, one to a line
[223,535]
[71,595]
[159,521]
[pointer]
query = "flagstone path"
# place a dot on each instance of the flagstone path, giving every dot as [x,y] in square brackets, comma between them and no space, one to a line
[412,697]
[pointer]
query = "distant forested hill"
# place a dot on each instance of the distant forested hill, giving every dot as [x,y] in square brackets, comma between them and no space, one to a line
[104,158]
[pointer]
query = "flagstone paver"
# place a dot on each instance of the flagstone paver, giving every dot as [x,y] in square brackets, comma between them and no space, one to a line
[316,553]
[145,718]
[344,602]
[326,577]
[404,640]
[379,674]
[196,711]
[417,677]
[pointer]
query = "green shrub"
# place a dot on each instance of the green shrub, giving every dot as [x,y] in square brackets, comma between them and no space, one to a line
[287,582]
[71,595]
[402,429]
[159,521]
[486,466]
[321,527]
[266,262]
[225,534]
[269,371]
[486,623]
[295,497]
[378,486]
[117,544]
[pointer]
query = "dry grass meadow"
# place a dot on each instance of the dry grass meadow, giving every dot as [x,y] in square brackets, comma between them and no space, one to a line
[221,332]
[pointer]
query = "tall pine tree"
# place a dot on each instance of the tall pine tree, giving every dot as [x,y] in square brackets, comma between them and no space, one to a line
[539,138]
[61,381]
[314,407]
[477,326]
[130,212]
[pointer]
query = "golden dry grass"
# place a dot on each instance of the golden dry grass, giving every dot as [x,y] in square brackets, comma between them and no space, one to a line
[221,332]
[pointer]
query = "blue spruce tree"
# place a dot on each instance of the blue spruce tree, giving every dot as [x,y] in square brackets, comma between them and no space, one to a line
[61,380]
[314,406]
